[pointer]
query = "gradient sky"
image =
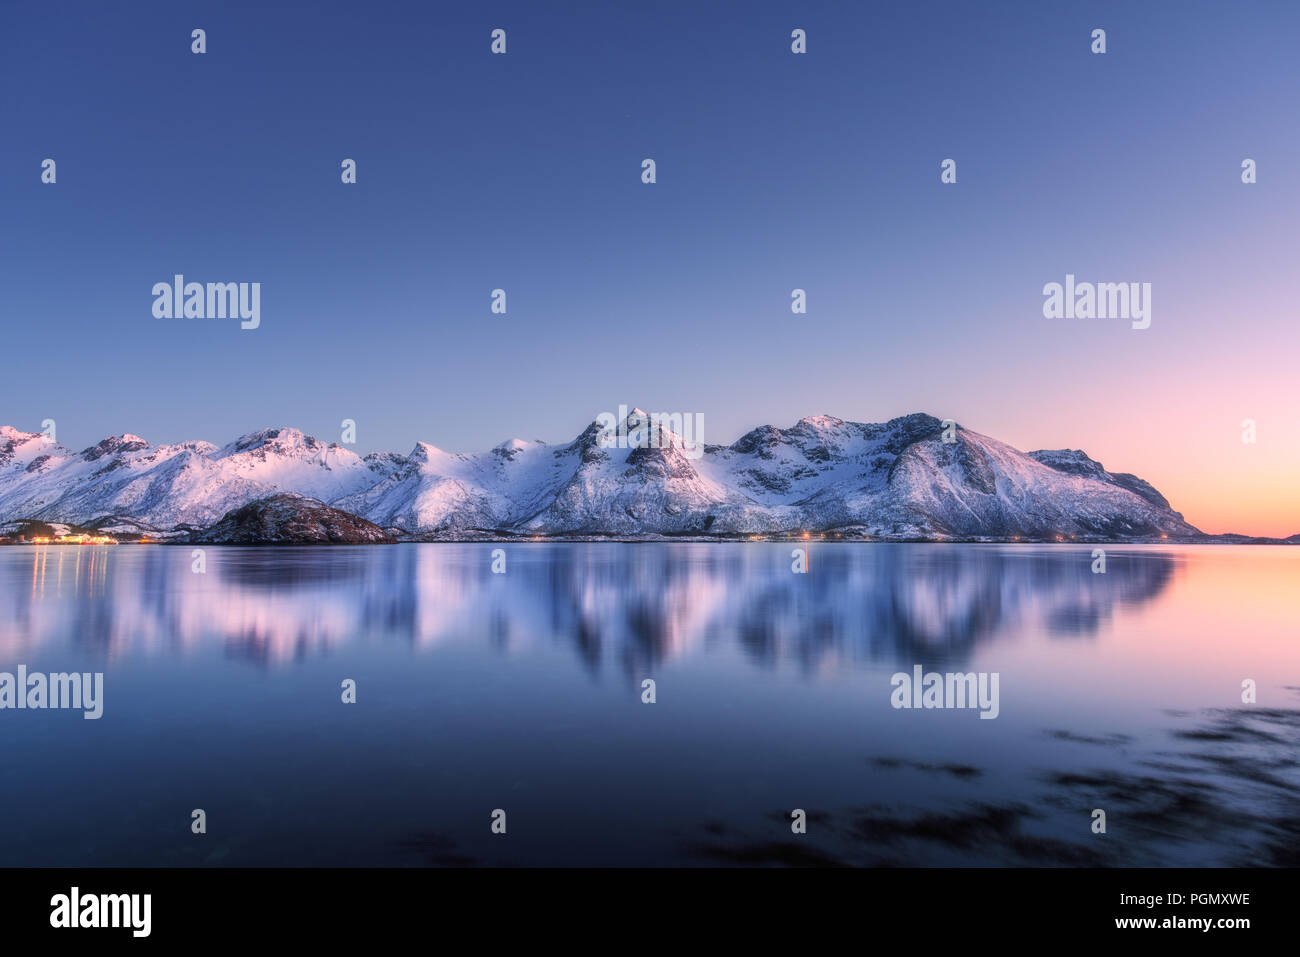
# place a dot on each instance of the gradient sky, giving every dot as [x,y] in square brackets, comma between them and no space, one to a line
[775,171]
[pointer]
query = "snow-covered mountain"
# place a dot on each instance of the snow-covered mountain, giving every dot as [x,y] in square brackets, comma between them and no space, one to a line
[898,480]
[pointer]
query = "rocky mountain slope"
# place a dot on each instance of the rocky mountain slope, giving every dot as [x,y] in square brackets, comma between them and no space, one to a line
[291,519]
[894,480]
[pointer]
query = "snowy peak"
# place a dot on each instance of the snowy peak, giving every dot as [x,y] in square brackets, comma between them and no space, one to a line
[1072,461]
[12,439]
[115,445]
[282,441]
[820,438]
[820,422]
[425,453]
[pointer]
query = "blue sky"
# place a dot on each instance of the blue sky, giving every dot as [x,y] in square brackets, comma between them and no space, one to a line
[775,171]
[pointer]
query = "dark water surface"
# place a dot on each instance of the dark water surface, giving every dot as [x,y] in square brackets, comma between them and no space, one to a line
[522,691]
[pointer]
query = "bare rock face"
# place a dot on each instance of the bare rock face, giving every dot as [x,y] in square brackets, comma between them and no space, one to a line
[291,520]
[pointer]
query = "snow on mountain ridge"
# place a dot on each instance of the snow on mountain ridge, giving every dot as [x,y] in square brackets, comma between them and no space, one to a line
[893,479]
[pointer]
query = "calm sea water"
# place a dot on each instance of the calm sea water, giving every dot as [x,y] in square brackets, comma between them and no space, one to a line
[522,692]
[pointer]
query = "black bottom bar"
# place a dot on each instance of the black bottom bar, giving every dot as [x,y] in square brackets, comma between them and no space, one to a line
[611,907]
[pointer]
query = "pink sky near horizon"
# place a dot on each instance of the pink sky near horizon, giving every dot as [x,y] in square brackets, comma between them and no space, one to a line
[1219,484]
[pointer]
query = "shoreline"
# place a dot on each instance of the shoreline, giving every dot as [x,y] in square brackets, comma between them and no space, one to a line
[690,539]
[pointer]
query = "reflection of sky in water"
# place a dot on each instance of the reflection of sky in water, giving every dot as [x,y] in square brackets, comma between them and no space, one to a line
[522,691]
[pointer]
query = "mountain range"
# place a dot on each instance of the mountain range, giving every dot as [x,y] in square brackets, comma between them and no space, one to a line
[904,479]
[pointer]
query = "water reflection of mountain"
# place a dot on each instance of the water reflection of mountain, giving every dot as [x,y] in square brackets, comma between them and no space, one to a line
[621,607]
